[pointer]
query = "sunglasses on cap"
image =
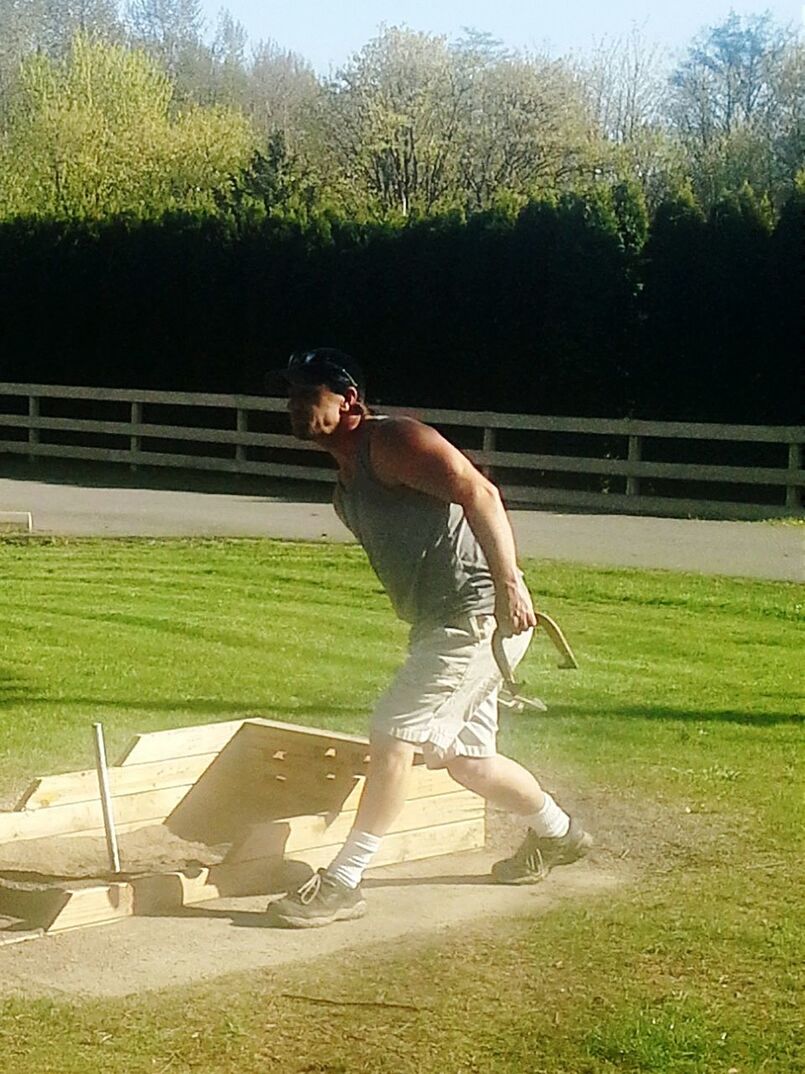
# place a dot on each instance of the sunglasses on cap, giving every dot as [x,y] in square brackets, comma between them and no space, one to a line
[317,367]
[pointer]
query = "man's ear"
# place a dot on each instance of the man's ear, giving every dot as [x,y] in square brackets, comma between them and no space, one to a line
[350,399]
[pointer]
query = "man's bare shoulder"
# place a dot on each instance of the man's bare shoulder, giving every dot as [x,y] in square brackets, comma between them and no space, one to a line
[405,451]
[400,431]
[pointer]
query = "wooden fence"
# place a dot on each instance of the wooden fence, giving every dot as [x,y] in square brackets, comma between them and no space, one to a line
[624,465]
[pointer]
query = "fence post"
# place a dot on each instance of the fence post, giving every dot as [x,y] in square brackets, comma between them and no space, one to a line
[242,425]
[634,454]
[488,445]
[792,490]
[33,434]
[135,442]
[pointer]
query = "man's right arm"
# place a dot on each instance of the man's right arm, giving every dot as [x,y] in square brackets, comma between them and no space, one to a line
[412,454]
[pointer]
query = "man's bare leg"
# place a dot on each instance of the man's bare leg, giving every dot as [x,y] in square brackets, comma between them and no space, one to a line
[335,894]
[383,797]
[386,784]
[502,782]
[552,837]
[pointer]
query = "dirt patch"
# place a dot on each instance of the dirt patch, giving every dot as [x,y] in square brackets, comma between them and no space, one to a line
[83,857]
[435,898]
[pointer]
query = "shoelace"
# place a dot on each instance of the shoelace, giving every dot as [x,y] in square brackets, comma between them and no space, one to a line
[310,889]
[535,862]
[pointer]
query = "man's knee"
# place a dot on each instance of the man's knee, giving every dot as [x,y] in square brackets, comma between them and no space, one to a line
[389,752]
[471,772]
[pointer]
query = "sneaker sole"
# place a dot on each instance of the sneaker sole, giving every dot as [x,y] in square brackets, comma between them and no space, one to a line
[519,881]
[579,852]
[346,913]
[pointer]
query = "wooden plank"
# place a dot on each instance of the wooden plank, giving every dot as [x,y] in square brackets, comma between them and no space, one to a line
[166,892]
[411,845]
[181,462]
[293,834]
[169,891]
[16,522]
[134,395]
[670,506]
[145,430]
[430,781]
[71,787]
[260,726]
[99,833]
[282,751]
[14,936]
[604,426]
[436,415]
[424,783]
[257,729]
[416,845]
[87,816]
[747,475]
[512,460]
[179,742]
[95,905]
[417,813]
[267,764]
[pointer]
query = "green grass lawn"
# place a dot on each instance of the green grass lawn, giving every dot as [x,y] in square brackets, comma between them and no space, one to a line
[679,736]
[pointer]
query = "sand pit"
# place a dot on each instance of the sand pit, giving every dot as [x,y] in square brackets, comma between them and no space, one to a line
[205,812]
[84,857]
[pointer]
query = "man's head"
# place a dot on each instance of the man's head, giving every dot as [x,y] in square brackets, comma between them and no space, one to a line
[325,366]
[325,389]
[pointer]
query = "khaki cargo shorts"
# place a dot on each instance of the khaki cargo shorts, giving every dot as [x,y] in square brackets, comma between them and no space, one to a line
[444,697]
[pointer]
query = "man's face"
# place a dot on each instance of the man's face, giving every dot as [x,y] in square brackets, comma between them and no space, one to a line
[315,411]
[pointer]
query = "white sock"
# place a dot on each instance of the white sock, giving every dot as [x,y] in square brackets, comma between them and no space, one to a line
[354,856]
[549,822]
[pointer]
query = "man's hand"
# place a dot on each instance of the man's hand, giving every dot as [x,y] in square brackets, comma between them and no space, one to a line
[513,608]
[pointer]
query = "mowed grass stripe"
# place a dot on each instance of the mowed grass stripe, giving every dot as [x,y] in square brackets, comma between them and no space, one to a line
[683,724]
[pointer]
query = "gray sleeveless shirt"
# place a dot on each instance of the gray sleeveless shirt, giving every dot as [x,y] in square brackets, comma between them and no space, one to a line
[421,548]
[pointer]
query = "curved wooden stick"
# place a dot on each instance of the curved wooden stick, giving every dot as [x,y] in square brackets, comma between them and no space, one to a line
[551,628]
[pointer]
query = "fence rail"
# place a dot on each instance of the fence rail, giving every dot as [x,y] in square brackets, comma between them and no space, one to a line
[604,464]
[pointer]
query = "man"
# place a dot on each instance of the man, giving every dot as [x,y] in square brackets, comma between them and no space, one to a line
[439,539]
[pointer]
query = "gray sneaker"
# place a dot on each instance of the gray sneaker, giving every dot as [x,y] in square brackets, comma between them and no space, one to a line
[535,857]
[320,901]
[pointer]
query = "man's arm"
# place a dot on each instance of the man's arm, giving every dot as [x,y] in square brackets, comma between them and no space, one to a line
[405,452]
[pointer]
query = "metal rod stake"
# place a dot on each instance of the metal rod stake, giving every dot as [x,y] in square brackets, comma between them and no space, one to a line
[106,798]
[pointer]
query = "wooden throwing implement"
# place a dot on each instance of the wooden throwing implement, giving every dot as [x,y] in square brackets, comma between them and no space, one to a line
[551,628]
[511,685]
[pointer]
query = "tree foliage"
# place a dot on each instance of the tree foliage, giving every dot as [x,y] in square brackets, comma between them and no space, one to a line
[94,135]
[497,229]
[738,106]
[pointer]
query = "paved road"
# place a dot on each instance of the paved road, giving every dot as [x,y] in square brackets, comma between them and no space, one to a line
[743,549]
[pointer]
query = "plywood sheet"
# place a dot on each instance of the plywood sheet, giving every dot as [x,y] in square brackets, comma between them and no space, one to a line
[87,816]
[179,742]
[293,834]
[71,787]
[94,906]
[168,892]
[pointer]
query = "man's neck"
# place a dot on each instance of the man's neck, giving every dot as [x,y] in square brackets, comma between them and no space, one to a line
[344,444]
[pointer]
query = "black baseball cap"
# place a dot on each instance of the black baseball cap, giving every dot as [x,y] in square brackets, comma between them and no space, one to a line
[322,365]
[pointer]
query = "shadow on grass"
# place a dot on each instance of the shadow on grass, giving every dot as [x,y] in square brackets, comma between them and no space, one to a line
[326,711]
[12,687]
[13,690]
[667,712]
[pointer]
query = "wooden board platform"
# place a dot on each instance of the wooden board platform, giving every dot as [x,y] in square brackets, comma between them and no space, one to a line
[276,794]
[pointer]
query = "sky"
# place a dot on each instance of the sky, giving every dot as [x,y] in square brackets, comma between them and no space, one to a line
[327,32]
